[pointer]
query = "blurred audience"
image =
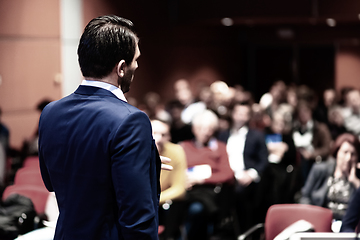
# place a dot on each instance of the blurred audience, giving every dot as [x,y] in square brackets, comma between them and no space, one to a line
[179,130]
[332,183]
[248,156]
[329,100]
[209,177]
[312,139]
[275,150]
[336,121]
[280,178]
[184,95]
[351,113]
[172,182]
[153,107]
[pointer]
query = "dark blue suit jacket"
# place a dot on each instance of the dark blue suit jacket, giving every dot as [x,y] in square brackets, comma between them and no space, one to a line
[255,150]
[98,155]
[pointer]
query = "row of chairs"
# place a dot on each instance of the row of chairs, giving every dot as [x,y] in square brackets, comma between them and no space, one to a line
[28,182]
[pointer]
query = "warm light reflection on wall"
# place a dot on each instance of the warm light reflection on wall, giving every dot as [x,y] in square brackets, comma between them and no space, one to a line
[348,67]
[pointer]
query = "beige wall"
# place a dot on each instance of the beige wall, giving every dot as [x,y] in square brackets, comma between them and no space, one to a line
[347,67]
[29,62]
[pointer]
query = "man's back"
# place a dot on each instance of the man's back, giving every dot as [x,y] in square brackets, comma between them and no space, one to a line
[96,153]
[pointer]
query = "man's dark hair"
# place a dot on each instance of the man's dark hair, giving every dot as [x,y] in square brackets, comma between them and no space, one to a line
[105,42]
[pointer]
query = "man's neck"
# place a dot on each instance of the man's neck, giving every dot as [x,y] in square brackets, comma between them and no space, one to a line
[108,79]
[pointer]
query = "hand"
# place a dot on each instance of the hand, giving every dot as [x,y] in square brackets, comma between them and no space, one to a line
[191,181]
[306,154]
[164,165]
[245,179]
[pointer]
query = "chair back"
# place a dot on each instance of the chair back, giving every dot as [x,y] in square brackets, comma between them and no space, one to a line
[280,216]
[32,162]
[28,176]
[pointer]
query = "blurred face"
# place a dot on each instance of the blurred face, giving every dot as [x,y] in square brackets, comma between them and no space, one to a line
[329,97]
[161,134]
[304,115]
[354,99]
[241,115]
[128,77]
[278,124]
[203,132]
[346,157]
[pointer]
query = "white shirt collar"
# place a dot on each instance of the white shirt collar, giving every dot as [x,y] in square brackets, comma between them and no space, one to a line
[115,90]
[242,131]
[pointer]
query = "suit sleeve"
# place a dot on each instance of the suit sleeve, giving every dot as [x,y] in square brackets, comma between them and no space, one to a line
[262,153]
[352,215]
[134,174]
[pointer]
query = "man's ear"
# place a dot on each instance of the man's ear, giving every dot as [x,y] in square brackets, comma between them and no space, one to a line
[120,68]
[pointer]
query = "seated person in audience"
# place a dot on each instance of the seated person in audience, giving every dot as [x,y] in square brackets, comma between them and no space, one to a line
[209,176]
[336,122]
[248,158]
[172,182]
[279,178]
[312,138]
[352,112]
[179,130]
[332,183]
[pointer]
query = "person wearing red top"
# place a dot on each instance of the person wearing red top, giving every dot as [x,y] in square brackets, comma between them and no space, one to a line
[209,177]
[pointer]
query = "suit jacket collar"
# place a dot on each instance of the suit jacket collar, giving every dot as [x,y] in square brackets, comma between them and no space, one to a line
[89,90]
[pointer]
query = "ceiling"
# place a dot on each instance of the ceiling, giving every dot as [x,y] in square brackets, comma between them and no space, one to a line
[265,12]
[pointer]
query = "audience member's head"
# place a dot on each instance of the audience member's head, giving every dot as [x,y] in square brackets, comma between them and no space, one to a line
[329,97]
[335,116]
[346,150]
[175,107]
[353,100]
[241,115]
[303,112]
[343,95]
[183,92]
[161,133]
[278,123]
[291,96]
[204,126]
[277,92]
[307,94]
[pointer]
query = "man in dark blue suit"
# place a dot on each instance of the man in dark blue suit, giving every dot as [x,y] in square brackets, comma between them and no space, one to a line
[96,150]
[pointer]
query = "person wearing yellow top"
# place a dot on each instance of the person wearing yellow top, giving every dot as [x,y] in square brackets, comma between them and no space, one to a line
[172,182]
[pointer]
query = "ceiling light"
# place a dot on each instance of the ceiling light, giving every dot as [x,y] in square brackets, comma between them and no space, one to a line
[227,22]
[285,33]
[331,22]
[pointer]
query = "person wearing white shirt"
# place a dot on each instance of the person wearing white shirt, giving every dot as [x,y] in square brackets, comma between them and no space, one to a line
[248,158]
